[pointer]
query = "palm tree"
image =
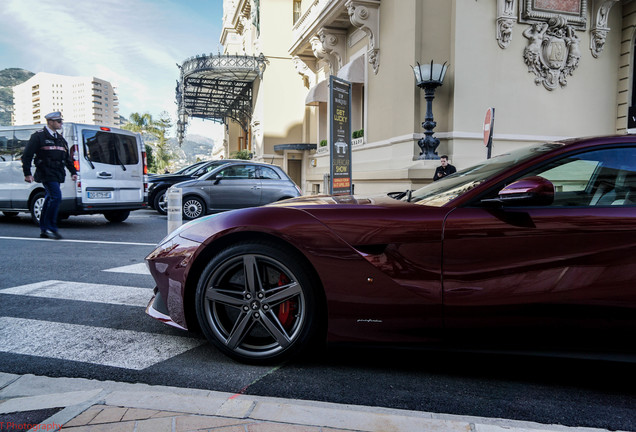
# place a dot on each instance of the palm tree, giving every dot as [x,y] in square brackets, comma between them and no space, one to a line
[145,124]
[164,155]
[141,123]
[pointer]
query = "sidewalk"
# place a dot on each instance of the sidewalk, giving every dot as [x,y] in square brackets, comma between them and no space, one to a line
[78,405]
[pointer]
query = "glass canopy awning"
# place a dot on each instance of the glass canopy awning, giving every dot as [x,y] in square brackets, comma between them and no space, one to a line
[217,87]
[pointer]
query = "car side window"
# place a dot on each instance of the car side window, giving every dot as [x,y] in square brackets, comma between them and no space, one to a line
[238,172]
[269,173]
[6,140]
[597,178]
[20,140]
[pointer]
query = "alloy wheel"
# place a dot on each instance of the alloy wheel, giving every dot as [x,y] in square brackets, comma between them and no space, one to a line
[192,208]
[255,306]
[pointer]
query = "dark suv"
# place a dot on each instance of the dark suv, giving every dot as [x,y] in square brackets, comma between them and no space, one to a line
[159,184]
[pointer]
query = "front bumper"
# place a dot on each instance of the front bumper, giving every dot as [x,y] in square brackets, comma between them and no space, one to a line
[157,309]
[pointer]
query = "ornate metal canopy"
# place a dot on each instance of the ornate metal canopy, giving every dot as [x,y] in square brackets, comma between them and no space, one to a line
[217,87]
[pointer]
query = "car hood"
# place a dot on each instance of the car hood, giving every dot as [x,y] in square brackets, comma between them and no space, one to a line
[172,178]
[316,202]
[369,220]
[186,183]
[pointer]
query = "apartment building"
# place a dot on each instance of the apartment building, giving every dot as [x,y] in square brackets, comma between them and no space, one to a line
[551,69]
[87,100]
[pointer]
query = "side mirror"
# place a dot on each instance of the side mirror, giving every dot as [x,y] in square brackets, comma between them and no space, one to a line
[535,191]
[217,179]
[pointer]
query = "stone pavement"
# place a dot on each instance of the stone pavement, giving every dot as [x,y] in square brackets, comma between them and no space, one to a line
[79,405]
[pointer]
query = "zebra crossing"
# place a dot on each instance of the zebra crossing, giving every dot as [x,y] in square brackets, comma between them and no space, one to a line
[122,348]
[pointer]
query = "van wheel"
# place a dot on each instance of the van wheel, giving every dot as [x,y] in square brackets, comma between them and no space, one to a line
[36,207]
[116,216]
[10,213]
[193,208]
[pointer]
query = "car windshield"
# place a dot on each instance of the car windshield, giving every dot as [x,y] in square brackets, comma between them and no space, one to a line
[189,170]
[443,191]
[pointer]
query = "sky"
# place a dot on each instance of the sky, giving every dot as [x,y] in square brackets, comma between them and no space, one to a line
[134,44]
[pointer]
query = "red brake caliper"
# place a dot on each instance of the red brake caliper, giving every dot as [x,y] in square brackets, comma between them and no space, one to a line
[287,308]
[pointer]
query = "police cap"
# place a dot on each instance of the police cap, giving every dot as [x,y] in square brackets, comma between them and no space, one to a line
[56,115]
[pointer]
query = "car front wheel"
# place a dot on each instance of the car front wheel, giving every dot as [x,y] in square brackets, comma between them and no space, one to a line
[161,202]
[193,208]
[257,303]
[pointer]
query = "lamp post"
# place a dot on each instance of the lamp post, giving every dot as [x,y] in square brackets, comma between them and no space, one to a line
[429,77]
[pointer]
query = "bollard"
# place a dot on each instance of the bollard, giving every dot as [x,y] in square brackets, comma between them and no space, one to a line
[174,208]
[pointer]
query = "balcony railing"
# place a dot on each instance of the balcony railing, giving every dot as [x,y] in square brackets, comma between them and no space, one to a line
[309,17]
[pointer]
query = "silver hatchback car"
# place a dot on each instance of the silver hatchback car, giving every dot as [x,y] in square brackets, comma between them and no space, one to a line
[235,185]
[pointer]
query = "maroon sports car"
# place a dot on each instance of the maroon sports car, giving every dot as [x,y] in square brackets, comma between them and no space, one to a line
[532,248]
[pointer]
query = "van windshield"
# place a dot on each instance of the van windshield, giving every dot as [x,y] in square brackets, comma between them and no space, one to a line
[110,148]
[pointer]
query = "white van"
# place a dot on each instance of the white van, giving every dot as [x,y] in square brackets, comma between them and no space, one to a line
[110,162]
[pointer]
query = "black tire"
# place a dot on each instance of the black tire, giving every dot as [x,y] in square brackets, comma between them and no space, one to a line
[160,203]
[261,319]
[35,207]
[116,216]
[192,208]
[10,213]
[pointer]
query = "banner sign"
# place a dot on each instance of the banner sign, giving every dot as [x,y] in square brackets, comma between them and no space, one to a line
[340,134]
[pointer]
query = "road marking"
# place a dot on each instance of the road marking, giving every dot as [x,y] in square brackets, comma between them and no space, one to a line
[79,241]
[97,293]
[98,345]
[140,268]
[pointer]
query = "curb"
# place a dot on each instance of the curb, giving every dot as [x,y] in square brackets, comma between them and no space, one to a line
[20,393]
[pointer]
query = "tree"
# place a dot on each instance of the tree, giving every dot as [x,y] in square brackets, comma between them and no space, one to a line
[164,155]
[158,159]
[142,123]
[241,154]
[150,157]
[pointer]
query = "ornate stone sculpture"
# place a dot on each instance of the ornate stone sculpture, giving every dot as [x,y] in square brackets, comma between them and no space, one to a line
[365,15]
[506,19]
[600,28]
[334,44]
[552,53]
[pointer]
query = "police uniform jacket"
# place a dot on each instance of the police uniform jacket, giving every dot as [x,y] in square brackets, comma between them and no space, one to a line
[51,156]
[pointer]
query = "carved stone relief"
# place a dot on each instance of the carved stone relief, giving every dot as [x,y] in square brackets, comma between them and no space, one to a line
[303,69]
[552,53]
[319,50]
[334,43]
[506,19]
[600,28]
[365,15]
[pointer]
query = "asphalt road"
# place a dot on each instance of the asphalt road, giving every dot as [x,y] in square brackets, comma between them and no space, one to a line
[75,308]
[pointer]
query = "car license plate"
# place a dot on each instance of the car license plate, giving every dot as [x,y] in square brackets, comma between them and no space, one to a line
[100,195]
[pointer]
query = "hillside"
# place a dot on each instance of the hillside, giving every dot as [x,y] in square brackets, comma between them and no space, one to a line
[9,78]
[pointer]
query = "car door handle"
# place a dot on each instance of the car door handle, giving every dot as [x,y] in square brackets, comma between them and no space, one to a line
[104,175]
[256,187]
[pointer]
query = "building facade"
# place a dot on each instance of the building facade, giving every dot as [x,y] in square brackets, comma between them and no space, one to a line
[551,69]
[86,100]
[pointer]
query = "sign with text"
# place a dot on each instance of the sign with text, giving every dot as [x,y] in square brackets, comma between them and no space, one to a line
[340,134]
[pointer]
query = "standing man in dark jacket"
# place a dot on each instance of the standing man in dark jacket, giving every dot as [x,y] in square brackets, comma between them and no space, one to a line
[444,169]
[51,156]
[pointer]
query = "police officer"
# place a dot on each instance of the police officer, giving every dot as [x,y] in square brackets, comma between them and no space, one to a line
[51,153]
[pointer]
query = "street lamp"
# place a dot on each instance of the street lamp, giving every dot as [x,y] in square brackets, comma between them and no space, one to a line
[429,77]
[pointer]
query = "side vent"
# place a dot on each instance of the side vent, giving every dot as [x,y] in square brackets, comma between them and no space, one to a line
[373,249]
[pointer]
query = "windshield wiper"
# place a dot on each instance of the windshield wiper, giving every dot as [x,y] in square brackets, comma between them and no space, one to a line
[118,158]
